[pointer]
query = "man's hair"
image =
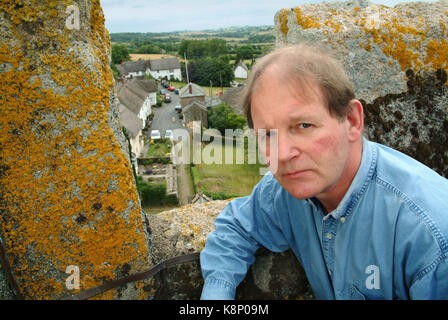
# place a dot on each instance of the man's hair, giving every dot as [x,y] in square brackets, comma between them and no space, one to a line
[305,65]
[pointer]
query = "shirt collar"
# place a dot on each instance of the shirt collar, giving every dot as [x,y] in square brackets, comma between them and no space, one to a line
[359,183]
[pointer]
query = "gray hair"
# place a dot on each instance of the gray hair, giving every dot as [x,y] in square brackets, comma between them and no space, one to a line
[305,65]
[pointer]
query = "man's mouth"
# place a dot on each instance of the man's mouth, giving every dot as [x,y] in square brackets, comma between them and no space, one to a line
[295,174]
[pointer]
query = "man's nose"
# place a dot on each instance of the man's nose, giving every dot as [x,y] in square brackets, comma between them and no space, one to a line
[287,147]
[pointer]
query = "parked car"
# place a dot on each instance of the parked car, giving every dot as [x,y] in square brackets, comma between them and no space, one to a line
[178,108]
[155,134]
[171,88]
[162,91]
[167,98]
[169,134]
[176,91]
[165,83]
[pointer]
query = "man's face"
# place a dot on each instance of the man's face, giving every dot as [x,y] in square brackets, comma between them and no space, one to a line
[313,146]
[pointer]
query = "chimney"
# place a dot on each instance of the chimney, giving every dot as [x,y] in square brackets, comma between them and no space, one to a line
[190,90]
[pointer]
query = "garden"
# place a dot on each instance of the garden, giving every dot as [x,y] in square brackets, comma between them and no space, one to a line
[224,181]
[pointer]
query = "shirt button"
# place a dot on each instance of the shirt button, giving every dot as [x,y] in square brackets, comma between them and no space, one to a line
[342,219]
[329,236]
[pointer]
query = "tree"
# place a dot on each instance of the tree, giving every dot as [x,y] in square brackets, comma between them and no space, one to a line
[244,53]
[235,121]
[195,49]
[119,54]
[217,70]
[148,49]
[222,117]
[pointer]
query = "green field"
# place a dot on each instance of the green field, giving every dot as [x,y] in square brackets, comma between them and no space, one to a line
[229,179]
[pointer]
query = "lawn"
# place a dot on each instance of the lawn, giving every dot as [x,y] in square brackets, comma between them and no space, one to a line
[230,179]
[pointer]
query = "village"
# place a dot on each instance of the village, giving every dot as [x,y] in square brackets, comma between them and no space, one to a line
[154,100]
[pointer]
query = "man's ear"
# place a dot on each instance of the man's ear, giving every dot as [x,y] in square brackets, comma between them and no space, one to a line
[355,120]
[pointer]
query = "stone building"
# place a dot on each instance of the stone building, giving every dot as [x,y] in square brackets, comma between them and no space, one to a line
[191,92]
[195,111]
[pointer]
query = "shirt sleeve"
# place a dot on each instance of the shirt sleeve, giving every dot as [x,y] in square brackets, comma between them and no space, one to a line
[241,228]
[433,284]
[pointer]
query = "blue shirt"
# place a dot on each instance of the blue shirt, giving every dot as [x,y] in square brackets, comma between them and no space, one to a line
[387,239]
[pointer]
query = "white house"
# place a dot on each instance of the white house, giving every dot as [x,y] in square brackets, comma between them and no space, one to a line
[132,69]
[165,67]
[240,70]
[135,100]
[133,125]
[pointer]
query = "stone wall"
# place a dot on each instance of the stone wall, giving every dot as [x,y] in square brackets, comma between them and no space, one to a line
[67,193]
[185,230]
[396,58]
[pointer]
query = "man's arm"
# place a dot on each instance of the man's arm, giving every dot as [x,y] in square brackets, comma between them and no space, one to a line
[432,283]
[243,226]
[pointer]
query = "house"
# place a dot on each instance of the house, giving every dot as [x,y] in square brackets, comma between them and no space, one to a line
[135,100]
[232,96]
[132,69]
[133,125]
[240,70]
[191,92]
[138,96]
[195,111]
[165,68]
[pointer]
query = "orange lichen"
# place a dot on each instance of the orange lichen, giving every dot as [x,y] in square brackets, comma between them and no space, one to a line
[304,21]
[437,54]
[283,17]
[59,205]
[390,39]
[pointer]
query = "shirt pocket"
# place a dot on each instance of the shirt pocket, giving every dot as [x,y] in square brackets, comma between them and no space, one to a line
[355,294]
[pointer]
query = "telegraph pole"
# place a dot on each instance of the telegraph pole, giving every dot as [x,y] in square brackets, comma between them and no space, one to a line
[186,67]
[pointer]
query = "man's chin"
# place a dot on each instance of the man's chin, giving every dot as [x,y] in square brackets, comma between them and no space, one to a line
[299,190]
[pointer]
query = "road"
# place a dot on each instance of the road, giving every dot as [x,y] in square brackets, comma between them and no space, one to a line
[165,117]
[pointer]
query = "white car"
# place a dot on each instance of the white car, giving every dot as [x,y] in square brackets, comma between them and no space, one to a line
[169,134]
[155,134]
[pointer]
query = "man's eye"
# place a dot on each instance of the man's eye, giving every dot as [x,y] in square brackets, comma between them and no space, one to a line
[304,125]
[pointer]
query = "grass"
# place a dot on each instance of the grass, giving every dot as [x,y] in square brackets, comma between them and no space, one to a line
[151,56]
[231,179]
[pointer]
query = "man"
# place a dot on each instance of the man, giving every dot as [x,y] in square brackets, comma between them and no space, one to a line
[365,221]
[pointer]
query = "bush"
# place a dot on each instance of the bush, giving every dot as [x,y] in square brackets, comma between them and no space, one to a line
[196,177]
[171,200]
[220,195]
[152,193]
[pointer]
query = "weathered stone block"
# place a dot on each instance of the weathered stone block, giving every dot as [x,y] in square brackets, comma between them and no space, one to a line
[67,194]
[376,44]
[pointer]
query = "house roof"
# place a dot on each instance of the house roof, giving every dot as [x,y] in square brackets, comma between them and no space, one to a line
[196,91]
[193,103]
[148,85]
[232,96]
[242,65]
[133,93]
[130,121]
[132,66]
[164,64]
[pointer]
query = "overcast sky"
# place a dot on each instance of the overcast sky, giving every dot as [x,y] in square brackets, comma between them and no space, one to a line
[179,15]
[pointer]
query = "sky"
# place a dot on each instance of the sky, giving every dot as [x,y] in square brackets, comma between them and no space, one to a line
[194,15]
